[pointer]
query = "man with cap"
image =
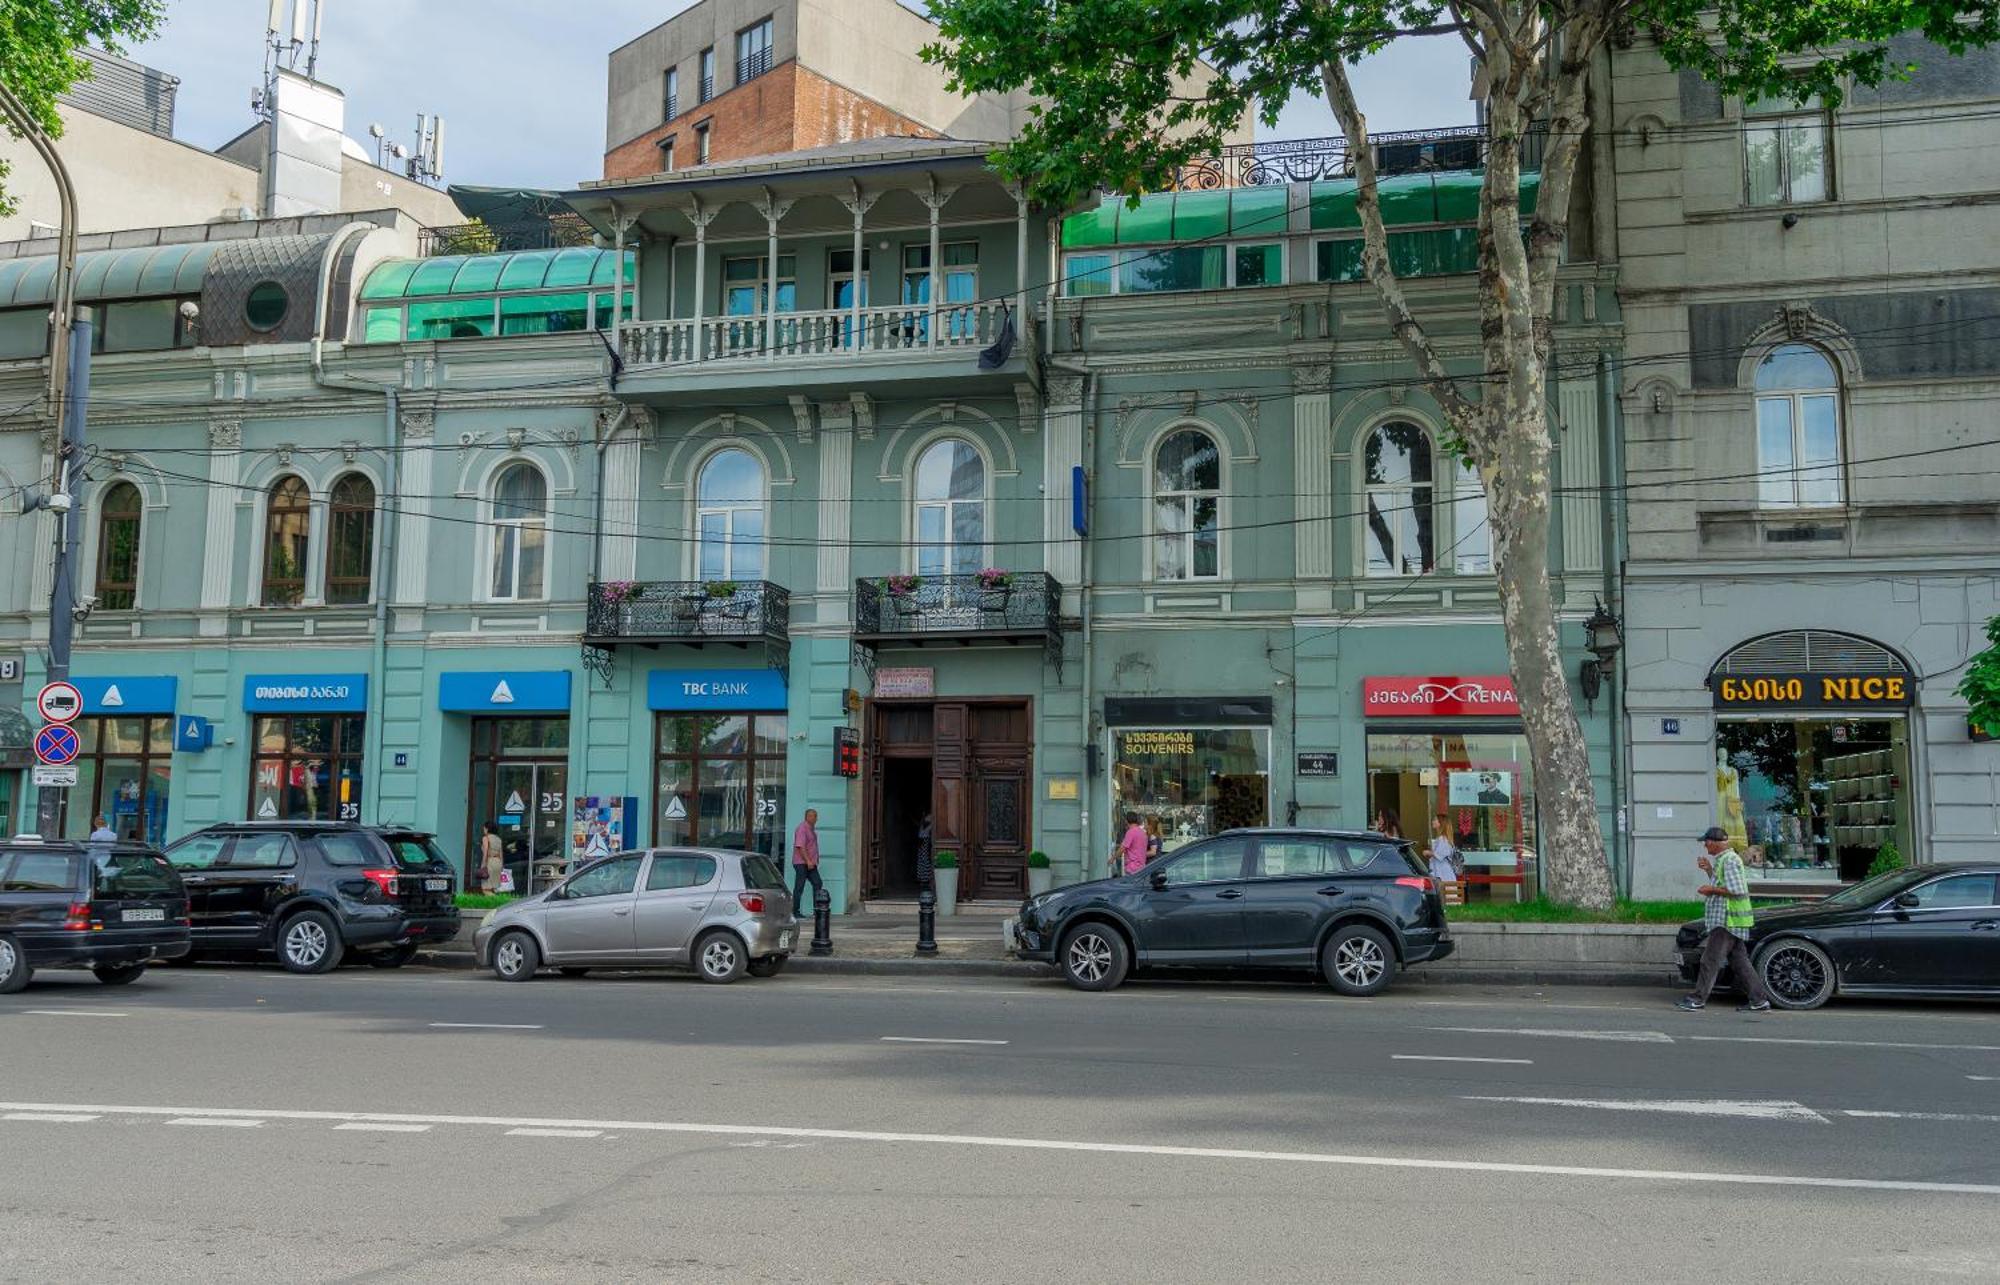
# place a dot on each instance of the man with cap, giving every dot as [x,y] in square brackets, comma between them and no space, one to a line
[1726,914]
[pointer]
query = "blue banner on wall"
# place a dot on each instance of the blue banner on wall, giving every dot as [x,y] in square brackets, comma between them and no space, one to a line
[306,693]
[128,695]
[733,689]
[193,734]
[519,691]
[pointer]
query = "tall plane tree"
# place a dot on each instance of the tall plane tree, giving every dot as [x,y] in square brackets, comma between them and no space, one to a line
[1113,110]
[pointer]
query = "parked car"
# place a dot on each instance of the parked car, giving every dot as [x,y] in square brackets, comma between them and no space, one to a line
[724,912]
[1351,907]
[110,907]
[311,891]
[1928,930]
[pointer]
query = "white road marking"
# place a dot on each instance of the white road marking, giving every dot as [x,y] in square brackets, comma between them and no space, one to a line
[919,1039]
[383,1126]
[1983,1078]
[51,1117]
[1779,1110]
[484,1026]
[1701,1177]
[70,1012]
[1923,1115]
[1851,1044]
[1616,1037]
[555,1133]
[216,1122]
[1426,1057]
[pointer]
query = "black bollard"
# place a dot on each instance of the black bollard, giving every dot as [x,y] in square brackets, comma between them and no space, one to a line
[927,921]
[822,943]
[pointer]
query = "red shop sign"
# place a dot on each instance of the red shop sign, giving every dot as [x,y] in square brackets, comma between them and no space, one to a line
[1429,697]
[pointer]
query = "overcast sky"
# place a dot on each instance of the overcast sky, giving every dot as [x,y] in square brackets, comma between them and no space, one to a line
[520,83]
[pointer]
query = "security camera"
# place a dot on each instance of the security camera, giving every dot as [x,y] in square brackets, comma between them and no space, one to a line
[189,310]
[57,503]
[81,609]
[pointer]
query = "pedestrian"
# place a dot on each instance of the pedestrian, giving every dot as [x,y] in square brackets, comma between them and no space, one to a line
[1155,841]
[1444,857]
[1727,916]
[101,831]
[492,858]
[1132,847]
[805,861]
[1388,824]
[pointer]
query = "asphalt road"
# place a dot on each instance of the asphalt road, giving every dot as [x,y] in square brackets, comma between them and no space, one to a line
[239,1124]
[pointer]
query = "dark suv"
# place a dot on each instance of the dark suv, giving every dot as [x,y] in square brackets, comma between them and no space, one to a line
[1351,907]
[311,891]
[110,907]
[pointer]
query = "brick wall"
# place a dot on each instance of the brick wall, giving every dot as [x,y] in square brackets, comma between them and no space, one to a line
[787,109]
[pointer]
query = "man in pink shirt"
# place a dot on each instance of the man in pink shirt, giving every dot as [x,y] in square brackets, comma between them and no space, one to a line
[805,863]
[1133,846]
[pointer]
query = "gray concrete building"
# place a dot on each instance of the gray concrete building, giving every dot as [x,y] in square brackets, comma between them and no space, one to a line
[1811,302]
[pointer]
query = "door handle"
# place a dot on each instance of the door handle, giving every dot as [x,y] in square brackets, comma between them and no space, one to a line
[1986,925]
[626,911]
[1331,890]
[1229,894]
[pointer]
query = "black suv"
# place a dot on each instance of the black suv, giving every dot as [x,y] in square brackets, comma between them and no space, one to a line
[313,890]
[1349,906]
[110,907]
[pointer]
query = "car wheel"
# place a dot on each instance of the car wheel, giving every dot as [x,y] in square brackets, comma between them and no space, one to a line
[118,974]
[394,957]
[718,957]
[1357,960]
[769,966]
[309,943]
[1093,957]
[573,971]
[1797,973]
[14,970]
[516,957]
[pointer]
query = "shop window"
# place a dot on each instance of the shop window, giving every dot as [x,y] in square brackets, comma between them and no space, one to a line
[1813,800]
[306,767]
[729,517]
[519,785]
[1188,783]
[520,533]
[1397,478]
[1784,154]
[1479,785]
[124,774]
[350,539]
[1187,503]
[1798,428]
[287,533]
[720,781]
[118,548]
[950,509]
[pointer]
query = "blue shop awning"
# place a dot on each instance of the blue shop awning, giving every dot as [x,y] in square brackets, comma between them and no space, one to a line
[505,691]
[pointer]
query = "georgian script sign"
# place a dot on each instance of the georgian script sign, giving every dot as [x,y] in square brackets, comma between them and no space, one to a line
[1812,691]
[1432,697]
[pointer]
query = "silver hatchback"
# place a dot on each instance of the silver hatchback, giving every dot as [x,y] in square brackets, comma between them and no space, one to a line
[726,913]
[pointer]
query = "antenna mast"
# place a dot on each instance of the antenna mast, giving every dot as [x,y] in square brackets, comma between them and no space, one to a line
[291,30]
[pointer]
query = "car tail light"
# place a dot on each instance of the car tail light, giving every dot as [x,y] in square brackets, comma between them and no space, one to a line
[78,919]
[1422,883]
[752,902]
[383,879]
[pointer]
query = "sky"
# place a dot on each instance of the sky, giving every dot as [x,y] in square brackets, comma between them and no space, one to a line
[520,83]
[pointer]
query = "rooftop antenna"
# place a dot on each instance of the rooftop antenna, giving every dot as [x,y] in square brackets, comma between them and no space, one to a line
[291,28]
[426,164]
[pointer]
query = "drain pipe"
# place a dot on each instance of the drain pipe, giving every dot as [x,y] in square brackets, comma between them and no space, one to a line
[1085,594]
[1611,516]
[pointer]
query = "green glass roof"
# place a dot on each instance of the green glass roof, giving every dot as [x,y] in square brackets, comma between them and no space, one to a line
[1181,216]
[133,273]
[1451,197]
[458,274]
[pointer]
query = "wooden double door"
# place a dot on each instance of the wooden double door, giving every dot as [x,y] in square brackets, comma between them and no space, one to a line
[981,770]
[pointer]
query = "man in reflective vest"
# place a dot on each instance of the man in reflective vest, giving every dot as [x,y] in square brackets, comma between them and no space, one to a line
[1726,914]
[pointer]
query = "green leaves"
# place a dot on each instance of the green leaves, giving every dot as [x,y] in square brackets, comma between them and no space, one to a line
[38,60]
[1981,684]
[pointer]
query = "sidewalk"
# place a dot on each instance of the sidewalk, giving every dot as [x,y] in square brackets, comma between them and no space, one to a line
[969,946]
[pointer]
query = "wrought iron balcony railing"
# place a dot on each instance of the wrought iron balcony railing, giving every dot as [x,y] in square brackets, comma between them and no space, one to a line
[692,611]
[750,66]
[1307,160]
[556,232]
[1020,604]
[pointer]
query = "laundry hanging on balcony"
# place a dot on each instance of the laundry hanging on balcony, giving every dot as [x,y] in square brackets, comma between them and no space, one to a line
[995,354]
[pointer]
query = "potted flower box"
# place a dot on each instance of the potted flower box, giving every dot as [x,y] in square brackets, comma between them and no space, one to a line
[1040,877]
[944,873]
[996,589]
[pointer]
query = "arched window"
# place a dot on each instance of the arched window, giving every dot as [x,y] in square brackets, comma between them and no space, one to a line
[1798,428]
[287,531]
[951,509]
[1397,474]
[118,548]
[729,517]
[350,547]
[1471,536]
[520,533]
[1187,500]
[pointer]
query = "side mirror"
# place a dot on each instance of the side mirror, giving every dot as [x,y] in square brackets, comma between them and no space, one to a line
[1908,901]
[1159,880]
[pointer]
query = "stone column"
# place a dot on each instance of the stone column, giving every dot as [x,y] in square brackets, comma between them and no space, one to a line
[218,567]
[1312,485]
[836,519]
[1062,450]
[413,508]
[624,458]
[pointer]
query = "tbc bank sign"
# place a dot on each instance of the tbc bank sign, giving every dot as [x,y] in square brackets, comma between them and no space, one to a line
[731,689]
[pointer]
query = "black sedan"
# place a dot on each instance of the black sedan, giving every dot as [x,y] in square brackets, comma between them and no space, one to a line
[1350,907]
[1929,930]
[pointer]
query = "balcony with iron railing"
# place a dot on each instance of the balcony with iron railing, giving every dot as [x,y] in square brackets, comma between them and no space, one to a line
[1308,160]
[984,607]
[695,613]
[906,330]
[752,65]
[555,232]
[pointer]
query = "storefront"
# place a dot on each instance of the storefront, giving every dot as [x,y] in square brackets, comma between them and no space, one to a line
[720,740]
[519,769]
[1189,767]
[125,771]
[15,758]
[308,735]
[1451,751]
[1812,758]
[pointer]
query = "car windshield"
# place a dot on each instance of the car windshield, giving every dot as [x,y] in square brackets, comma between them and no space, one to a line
[760,871]
[415,851]
[1870,891]
[134,874]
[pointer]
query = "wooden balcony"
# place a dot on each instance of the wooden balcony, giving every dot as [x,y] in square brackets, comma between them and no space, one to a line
[829,335]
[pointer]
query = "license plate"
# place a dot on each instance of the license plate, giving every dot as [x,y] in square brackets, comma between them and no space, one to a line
[144,916]
[784,941]
[436,885]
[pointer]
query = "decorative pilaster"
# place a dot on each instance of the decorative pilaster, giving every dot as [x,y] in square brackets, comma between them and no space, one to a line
[836,526]
[1578,511]
[413,508]
[1062,450]
[624,458]
[1312,462]
[218,567]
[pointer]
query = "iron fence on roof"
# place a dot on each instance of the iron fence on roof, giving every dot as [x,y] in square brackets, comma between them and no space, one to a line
[556,232]
[1307,160]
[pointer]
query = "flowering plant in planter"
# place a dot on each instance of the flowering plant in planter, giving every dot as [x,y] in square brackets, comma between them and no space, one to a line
[721,588]
[995,578]
[902,586]
[617,591]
